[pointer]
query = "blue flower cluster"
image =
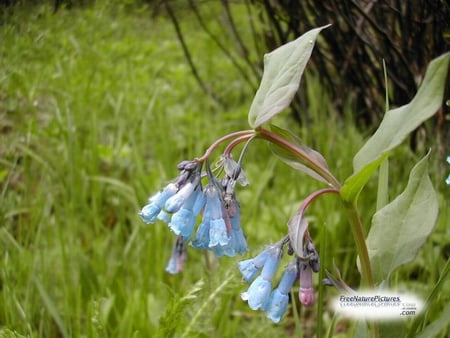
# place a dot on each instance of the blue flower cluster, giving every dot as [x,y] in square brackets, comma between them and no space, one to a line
[181,201]
[260,295]
[210,198]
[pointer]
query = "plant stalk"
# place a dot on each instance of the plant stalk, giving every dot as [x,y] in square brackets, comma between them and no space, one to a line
[301,153]
[361,247]
[364,261]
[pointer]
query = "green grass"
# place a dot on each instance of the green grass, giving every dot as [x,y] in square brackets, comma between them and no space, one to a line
[97,106]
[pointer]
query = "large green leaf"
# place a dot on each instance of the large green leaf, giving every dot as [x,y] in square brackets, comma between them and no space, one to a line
[401,227]
[396,125]
[283,70]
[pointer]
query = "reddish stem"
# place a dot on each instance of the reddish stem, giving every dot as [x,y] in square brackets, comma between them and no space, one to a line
[301,153]
[235,142]
[306,203]
[242,135]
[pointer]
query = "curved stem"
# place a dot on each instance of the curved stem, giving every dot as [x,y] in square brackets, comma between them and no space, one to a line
[301,153]
[237,141]
[213,146]
[314,195]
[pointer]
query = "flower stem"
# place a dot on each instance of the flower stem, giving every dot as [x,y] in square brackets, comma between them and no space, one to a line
[300,153]
[244,138]
[314,195]
[352,211]
[227,137]
[361,247]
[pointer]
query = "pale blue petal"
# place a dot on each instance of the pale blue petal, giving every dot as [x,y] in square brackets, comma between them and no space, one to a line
[182,223]
[238,242]
[200,201]
[167,193]
[271,263]
[201,240]
[174,203]
[213,204]
[218,233]
[149,212]
[258,293]
[261,258]
[277,305]
[289,277]
[248,270]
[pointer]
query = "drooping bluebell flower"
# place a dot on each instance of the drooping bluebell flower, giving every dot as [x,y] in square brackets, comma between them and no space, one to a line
[290,275]
[249,268]
[218,235]
[279,298]
[199,203]
[227,249]
[174,203]
[258,293]
[178,257]
[173,196]
[183,221]
[150,212]
[277,305]
[201,240]
[237,244]
[271,264]
[237,240]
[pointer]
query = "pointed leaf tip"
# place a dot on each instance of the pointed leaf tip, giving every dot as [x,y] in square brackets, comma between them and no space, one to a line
[283,70]
[399,122]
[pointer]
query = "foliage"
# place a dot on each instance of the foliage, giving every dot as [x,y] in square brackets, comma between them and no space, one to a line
[350,58]
[400,228]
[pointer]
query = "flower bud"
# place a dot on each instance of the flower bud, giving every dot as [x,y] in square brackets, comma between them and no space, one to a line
[306,294]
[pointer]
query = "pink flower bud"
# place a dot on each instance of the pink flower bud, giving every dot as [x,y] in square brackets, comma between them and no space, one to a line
[307,296]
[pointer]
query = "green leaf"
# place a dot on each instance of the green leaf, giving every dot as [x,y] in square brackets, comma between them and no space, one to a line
[396,125]
[51,307]
[400,228]
[293,159]
[354,184]
[438,325]
[419,322]
[399,122]
[283,70]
